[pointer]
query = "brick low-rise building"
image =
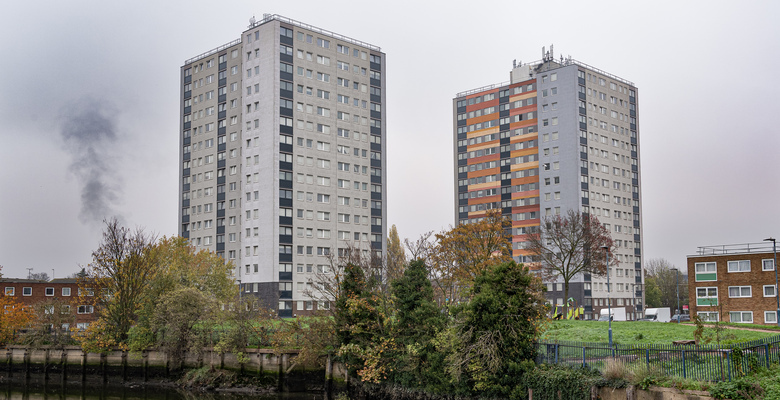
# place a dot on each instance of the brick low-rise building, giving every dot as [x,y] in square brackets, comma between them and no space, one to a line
[30,292]
[733,283]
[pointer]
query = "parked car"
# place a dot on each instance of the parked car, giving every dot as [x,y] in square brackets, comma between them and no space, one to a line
[681,318]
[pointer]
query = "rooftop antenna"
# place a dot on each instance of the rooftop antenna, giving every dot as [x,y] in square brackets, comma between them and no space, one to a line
[29,273]
[514,63]
[552,55]
[544,54]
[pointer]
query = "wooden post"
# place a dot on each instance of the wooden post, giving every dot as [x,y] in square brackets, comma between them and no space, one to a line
[46,365]
[259,363]
[64,364]
[281,361]
[103,366]
[9,363]
[145,361]
[329,375]
[26,363]
[83,365]
[124,365]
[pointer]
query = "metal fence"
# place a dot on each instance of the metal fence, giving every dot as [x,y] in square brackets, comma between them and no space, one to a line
[699,362]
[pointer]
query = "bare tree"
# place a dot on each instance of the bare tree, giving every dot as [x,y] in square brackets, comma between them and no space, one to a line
[662,273]
[422,248]
[568,245]
[118,278]
[39,276]
[325,283]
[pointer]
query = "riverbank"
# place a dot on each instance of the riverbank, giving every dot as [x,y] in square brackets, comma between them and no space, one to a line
[254,371]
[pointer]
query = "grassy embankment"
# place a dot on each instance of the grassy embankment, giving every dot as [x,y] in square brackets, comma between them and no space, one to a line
[633,332]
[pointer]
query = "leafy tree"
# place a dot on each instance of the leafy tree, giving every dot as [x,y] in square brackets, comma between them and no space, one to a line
[467,250]
[665,278]
[359,325]
[569,245]
[652,293]
[51,324]
[176,319]
[119,278]
[313,337]
[181,265]
[417,323]
[13,317]
[396,257]
[494,332]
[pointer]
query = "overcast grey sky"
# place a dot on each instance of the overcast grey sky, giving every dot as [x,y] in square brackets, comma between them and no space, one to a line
[89,107]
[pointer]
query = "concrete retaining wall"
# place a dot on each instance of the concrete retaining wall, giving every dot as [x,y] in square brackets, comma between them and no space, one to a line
[72,363]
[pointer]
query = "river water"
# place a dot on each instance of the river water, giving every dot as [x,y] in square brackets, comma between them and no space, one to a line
[30,391]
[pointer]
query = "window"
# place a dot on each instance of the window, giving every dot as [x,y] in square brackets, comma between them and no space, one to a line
[66,291]
[769,290]
[707,296]
[706,272]
[50,291]
[770,317]
[85,309]
[739,266]
[741,317]
[708,316]
[740,291]
[768,265]
[26,291]
[9,291]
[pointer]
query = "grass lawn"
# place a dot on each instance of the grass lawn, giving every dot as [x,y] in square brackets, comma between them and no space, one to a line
[635,332]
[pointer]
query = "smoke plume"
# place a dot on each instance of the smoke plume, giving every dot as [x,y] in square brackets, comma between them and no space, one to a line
[88,129]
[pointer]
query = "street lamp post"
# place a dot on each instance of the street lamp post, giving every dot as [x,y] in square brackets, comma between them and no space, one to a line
[777,295]
[609,301]
[677,286]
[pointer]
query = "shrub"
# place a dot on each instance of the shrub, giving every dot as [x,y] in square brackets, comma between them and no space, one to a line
[615,369]
[738,389]
[644,376]
[550,382]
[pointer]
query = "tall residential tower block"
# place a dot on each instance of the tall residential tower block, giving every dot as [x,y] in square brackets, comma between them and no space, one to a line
[282,156]
[561,135]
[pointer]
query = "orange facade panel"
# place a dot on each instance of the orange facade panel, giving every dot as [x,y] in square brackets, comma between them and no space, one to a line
[492,143]
[485,200]
[483,118]
[524,152]
[522,195]
[484,172]
[482,132]
[530,164]
[523,124]
[522,110]
[490,157]
[527,179]
[483,104]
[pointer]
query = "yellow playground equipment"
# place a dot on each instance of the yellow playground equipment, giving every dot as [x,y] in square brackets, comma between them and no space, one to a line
[574,312]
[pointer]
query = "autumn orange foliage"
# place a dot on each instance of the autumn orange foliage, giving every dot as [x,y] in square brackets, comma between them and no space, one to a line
[13,317]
